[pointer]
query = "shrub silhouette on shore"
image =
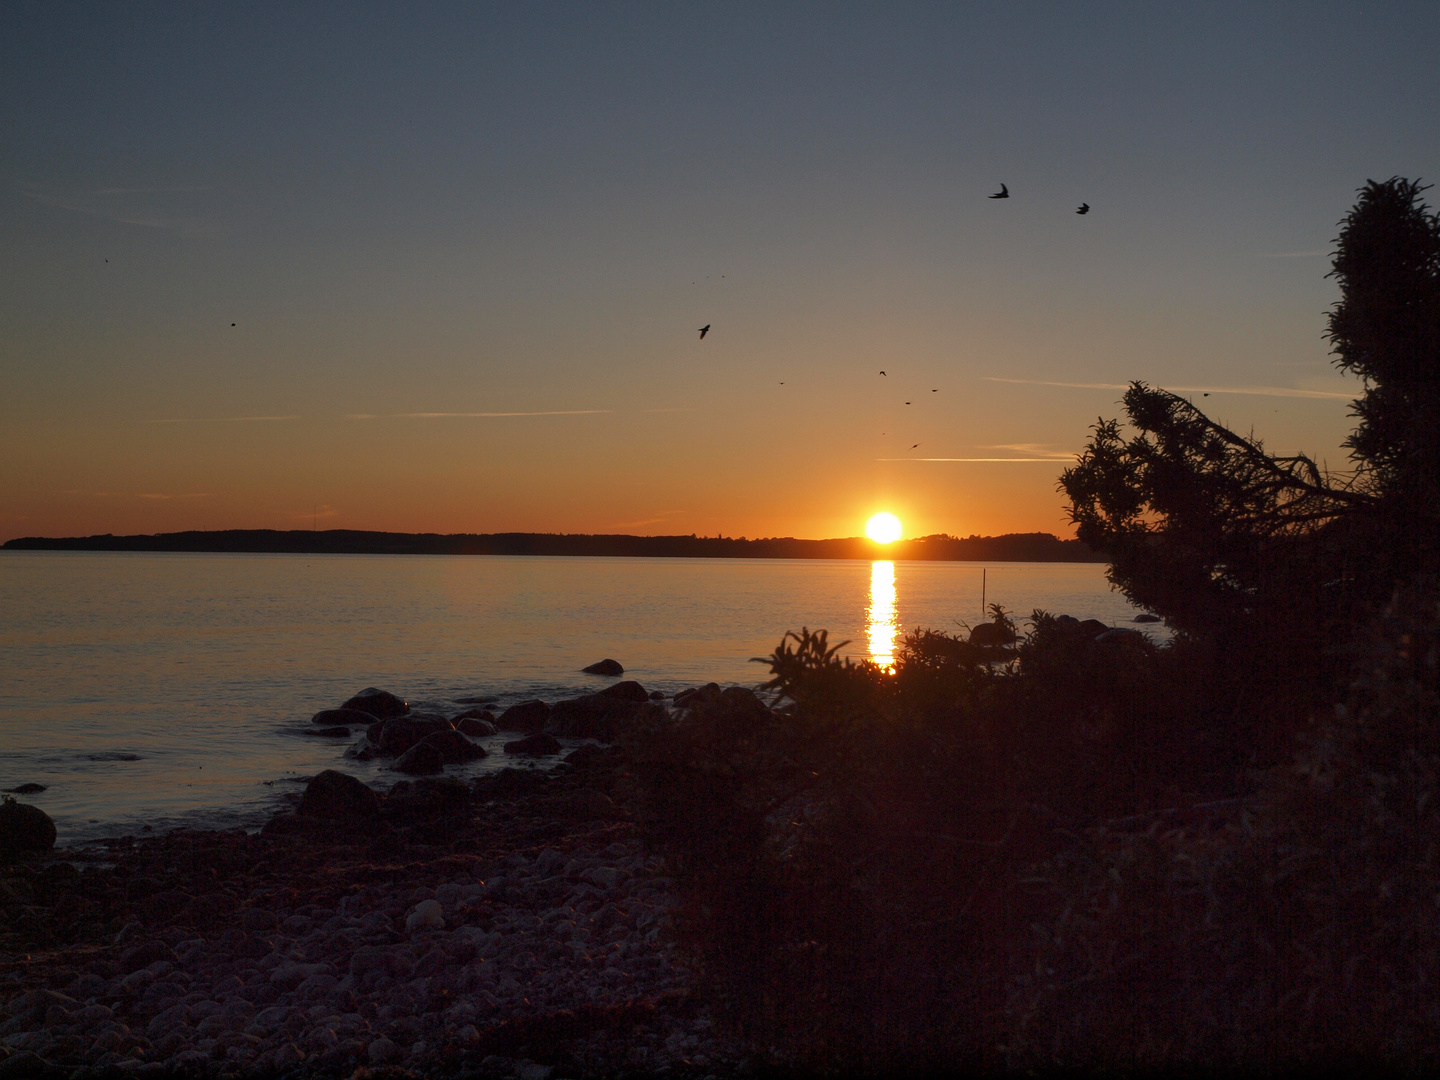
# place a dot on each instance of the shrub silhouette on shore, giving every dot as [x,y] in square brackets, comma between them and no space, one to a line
[1099,851]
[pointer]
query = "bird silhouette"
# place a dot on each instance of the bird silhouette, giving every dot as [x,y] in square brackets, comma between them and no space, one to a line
[1003,193]
[882,373]
[915,447]
[1084,208]
[232,324]
[704,330]
[907,403]
[934,391]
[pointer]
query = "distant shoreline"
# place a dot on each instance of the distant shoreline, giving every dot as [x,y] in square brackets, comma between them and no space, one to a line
[1012,547]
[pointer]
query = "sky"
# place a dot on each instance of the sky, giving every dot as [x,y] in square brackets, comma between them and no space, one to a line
[442,267]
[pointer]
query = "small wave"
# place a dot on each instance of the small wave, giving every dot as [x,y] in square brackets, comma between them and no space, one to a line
[113,755]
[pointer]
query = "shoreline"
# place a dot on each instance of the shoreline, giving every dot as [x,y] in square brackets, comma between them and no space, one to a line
[1011,547]
[508,924]
[541,942]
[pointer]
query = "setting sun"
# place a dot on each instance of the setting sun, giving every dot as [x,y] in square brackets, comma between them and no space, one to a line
[883,528]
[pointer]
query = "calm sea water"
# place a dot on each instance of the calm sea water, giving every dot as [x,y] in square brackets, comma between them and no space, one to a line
[176,689]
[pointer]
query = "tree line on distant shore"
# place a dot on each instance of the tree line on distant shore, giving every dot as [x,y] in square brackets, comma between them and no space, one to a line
[1011,547]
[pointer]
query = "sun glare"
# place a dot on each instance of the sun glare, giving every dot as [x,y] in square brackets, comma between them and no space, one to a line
[883,528]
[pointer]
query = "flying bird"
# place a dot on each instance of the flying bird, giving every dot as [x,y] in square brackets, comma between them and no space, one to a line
[915,447]
[907,403]
[1084,208]
[934,391]
[1003,193]
[882,373]
[232,324]
[704,330]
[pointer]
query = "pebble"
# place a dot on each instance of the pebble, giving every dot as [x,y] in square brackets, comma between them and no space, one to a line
[335,990]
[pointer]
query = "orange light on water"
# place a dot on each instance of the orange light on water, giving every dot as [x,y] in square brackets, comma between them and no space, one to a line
[883,528]
[882,623]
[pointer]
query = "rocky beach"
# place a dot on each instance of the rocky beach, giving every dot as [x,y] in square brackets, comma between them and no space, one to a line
[512,924]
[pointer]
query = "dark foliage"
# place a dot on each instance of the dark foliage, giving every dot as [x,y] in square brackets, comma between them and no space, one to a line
[1089,850]
[1272,560]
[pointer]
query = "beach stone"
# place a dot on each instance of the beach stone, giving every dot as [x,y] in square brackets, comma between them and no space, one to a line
[685,698]
[422,759]
[26,789]
[475,728]
[335,717]
[528,716]
[378,703]
[1093,627]
[383,1052]
[145,954]
[398,735]
[24,829]
[475,713]
[258,920]
[428,797]
[588,804]
[989,633]
[534,745]
[428,915]
[629,690]
[592,716]
[455,746]
[329,732]
[1147,618]
[604,667]
[338,796]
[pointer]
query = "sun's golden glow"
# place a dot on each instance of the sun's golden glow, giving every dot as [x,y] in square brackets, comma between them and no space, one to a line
[883,623]
[883,528]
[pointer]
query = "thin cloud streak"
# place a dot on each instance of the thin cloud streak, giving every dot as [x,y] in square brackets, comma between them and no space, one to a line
[1257,391]
[1289,254]
[220,419]
[1052,460]
[553,412]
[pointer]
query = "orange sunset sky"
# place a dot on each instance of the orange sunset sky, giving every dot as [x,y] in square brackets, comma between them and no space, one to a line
[466,251]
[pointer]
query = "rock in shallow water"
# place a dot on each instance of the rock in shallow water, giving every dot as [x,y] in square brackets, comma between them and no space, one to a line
[422,759]
[335,717]
[378,703]
[534,745]
[604,667]
[25,829]
[337,796]
[527,716]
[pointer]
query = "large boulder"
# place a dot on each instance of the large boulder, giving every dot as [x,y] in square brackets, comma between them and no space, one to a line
[332,717]
[629,690]
[534,745]
[604,667]
[473,714]
[989,633]
[735,704]
[25,829]
[527,716]
[338,796]
[476,729]
[455,746]
[422,759]
[1093,628]
[593,716]
[395,736]
[378,703]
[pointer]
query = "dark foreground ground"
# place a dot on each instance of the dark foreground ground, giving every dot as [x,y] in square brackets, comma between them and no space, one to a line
[514,927]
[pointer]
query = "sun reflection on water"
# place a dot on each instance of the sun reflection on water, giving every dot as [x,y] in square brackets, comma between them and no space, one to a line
[883,624]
